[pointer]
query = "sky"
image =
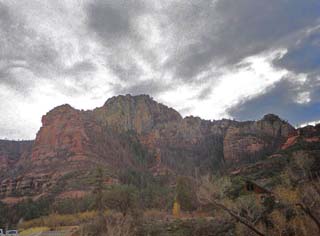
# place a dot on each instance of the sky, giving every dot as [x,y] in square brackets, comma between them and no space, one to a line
[237,59]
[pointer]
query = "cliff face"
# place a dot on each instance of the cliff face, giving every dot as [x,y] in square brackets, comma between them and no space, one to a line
[135,131]
[69,133]
[62,133]
[249,141]
[140,113]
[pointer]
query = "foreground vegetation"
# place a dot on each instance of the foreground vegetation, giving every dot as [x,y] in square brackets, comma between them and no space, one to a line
[284,200]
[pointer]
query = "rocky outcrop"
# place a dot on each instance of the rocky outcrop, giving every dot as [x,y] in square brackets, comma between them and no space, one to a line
[26,185]
[307,134]
[250,141]
[62,134]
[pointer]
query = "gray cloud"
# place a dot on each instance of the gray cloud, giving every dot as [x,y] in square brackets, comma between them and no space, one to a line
[26,52]
[79,68]
[204,93]
[111,19]
[226,31]
[153,87]
[113,24]
[282,99]
[20,49]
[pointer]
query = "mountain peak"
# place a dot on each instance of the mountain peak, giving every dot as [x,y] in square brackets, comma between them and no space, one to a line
[271,117]
[62,108]
[128,97]
[139,113]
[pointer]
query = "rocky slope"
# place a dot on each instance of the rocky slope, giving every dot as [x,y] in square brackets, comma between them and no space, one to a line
[135,131]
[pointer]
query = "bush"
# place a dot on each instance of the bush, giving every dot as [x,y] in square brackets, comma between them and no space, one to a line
[122,198]
[27,210]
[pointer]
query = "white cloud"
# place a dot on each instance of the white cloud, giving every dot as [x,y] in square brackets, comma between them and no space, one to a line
[252,77]
[303,97]
[309,123]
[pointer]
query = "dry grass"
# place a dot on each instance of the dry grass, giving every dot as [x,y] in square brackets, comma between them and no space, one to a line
[56,220]
[33,231]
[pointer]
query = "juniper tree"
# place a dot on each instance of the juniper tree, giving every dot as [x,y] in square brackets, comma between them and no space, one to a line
[98,201]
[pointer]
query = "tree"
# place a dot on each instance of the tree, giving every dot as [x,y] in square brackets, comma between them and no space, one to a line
[100,224]
[205,196]
[98,191]
[3,214]
[186,194]
[122,198]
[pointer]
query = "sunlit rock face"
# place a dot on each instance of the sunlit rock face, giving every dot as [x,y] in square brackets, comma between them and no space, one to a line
[63,130]
[139,113]
[136,132]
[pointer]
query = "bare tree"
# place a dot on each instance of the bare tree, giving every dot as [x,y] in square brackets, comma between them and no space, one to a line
[308,212]
[205,197]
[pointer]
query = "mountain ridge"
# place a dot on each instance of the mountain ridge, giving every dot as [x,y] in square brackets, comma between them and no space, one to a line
[138,132]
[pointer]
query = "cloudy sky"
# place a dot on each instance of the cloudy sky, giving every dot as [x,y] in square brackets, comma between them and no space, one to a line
[210,58]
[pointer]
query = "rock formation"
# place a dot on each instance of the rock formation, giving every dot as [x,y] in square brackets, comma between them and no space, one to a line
[249,141]
[134,131]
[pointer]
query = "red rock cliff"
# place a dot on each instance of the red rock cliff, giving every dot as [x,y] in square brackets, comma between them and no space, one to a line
[127,128]
[249,141]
